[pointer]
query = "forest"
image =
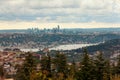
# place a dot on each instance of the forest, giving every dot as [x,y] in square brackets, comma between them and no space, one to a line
[57,68]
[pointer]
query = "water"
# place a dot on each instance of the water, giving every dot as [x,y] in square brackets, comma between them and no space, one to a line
[62,47]
[70,46]
[31,50]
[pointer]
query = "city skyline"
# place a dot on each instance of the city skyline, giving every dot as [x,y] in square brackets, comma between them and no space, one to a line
[23,14]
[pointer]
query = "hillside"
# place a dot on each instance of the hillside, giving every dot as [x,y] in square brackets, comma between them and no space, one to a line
[108,48]
[37,40]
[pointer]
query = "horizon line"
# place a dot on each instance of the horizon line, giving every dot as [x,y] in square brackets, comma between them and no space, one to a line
[63,28]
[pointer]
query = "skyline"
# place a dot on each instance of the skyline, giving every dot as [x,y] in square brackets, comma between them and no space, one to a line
[23,14]
[26,25]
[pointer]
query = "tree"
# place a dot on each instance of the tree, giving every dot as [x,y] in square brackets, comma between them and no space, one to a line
[118,66]
[71,70]
[102,68]
[2,73]
[46,66]
[86,71]
[25,71]
[60,63]
[46,63]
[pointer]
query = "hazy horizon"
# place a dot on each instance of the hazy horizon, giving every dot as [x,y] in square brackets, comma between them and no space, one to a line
[23,14]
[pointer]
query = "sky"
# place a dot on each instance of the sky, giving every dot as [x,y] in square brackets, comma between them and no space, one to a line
[23,14]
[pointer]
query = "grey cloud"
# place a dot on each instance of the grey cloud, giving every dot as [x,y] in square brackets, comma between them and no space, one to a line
[60,10]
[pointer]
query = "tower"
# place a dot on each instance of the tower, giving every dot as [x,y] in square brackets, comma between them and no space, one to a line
[58,28]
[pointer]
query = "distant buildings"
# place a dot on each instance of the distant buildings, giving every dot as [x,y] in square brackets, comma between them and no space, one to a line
[37,31]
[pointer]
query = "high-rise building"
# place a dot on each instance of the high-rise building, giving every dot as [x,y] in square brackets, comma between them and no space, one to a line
[58,28]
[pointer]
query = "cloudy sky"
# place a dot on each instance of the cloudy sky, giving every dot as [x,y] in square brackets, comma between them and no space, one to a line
[18,14]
